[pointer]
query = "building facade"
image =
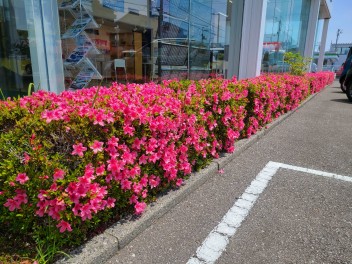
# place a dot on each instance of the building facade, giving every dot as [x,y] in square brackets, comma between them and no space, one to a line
[72,44]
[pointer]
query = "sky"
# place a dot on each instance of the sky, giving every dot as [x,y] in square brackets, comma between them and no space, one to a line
[341,18]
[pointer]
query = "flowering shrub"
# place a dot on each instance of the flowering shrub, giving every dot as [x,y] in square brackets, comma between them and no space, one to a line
[319,80]
[272,95]
[68,164]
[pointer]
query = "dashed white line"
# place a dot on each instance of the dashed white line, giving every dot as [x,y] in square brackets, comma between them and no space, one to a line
[216,242]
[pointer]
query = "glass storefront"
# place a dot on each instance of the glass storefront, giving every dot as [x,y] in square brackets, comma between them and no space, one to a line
[285,31]
[72,44]
[15,59]
[141,41]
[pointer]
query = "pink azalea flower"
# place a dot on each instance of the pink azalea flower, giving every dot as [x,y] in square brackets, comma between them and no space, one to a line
[137,188]
[97,146]
[221,171]
[179,182]
[143,159]
[154,181]
[58,174]
[26,158]
[129,130]
[42,195]
[144,181]
[133,199]
[140,207]
[78,149]
[21,197]
[126,184]
[110,202]
[12,204]
[100,170]
[22,178]
[113,141]
[86,212]
[144,193]
[63,225]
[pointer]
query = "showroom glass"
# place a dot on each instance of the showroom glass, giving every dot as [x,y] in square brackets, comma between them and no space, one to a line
[285,31]
[15,59]
[145,40]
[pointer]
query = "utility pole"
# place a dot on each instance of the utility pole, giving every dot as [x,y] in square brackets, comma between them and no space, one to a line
[339,31]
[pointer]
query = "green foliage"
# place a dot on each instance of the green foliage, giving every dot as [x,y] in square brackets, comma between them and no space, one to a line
[299,65]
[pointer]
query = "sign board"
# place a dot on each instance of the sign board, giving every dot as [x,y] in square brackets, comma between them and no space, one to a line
[76,28]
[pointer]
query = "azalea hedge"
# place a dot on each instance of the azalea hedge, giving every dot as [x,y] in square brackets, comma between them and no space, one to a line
[71,162]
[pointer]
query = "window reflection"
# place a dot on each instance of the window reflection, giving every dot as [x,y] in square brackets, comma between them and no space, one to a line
[285,31]
[15,59]
[146,40]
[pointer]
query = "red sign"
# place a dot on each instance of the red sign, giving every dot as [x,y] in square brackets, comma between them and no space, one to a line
[272,45]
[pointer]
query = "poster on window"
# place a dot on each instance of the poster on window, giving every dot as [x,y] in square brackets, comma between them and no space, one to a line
[83,78]
[68,4]
[76,28]
[81,12]
[77,55]
[116,5]
[83,40]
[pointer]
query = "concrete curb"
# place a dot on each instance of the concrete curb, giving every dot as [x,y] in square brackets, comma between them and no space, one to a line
[102,247]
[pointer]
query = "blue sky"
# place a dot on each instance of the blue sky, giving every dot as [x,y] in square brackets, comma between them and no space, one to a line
[341,18]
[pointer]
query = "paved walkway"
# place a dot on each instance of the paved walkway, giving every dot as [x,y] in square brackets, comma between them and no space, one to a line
[297,215]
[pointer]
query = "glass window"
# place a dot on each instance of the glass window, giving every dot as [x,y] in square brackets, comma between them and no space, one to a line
[285,31]
[141,41]
[15,59]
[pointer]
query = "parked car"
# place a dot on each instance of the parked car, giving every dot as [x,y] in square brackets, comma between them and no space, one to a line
[339,70]
[348,84]
[346,67]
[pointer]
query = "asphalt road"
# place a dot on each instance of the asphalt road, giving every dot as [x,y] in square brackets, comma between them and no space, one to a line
[298,218]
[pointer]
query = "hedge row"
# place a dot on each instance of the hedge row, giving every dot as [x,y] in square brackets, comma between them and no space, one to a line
[70,162]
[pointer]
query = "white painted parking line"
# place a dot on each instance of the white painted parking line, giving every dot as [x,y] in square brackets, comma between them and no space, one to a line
[216,242]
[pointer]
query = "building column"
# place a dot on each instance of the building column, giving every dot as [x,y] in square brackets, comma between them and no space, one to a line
[246,44]
[235,39]
[312,27]
[45,44]
[322,44]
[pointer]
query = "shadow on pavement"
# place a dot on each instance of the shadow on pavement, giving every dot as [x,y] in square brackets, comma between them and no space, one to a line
[341,101]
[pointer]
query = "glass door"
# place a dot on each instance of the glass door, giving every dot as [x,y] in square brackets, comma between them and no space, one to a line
[15,59]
